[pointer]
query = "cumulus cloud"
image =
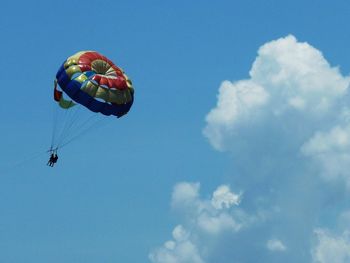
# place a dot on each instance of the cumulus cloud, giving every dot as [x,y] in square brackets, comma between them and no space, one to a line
[179,250]
[331,248]
[215,224]
[287,76]
[287,128]
[330,151]
[297,75]
[344,220]
[224,198]
[235,101]
[212,216]
[185,195]
[206,217]
[275,245]
[295,102]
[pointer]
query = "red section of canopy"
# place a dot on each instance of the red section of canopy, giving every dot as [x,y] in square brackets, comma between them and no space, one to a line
[84,67]
[111,82]
[57,95]
[117,82]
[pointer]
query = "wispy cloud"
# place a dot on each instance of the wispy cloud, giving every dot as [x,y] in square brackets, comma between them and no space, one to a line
[331,248]
[275,245]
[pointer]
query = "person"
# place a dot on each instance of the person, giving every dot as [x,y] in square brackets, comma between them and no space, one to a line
[53,159]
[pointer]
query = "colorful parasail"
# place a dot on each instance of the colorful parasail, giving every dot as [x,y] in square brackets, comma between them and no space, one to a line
[87,80]
[92,80]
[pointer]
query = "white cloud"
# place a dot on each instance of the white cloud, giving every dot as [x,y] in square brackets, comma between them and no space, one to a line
[179,250]
[206,216]
[344,219]
[236,101]
[287,75]
[285,125]
[275,245]
[185,195]
[180,233]
[212,216]
[331,248]
[223,197]
[290,69]
[295,100]
[337,139]
[215,224]
[331,152]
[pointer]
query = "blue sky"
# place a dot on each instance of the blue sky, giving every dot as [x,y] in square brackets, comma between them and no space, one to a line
[236,148]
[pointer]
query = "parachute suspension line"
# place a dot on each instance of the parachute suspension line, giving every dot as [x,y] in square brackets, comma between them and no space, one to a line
[70,121]
[55,118]
[55,111]
[75,127]
[67,122]
[60,128]
[60,119]
[92,127]
[81,128]
[54,126]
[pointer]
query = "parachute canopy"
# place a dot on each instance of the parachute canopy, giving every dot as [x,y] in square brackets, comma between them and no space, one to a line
[92,80]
